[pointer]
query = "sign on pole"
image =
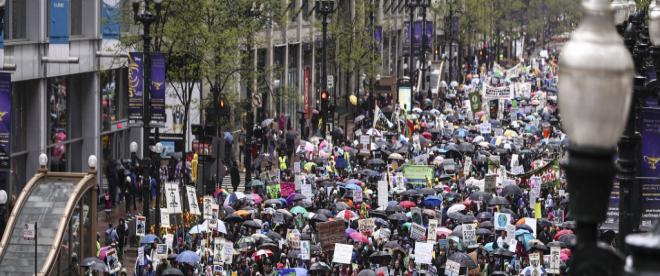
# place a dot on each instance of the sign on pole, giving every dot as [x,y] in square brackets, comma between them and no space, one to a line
[501,220]
[28,231]
[469,235]
[140,227]
[423,252]
[208,205]
[164,218]
[173,198]
[431,236]
[192,200]
[343,253]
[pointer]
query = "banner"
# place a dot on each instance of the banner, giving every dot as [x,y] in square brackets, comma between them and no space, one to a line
[650,166]
[157,89]
[192,200]
[59,11]
[378,37]
[110,19]
[135,87]
[418,174]
[497,93]
[5,120]
[417,34]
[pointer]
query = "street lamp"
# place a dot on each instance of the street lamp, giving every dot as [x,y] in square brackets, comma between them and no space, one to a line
[325,7]
[595,92]
[146,17]
[43,162]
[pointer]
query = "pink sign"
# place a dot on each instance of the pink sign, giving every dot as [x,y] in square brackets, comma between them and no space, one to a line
[307,100]
[287,188]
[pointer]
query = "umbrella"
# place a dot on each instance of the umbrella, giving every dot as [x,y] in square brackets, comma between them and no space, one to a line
[376,161]
[358,118]
[274,235]
[391,245]
[353,186]
[251,224]
[285,212]
[410,193]
[100,267]
[188,257]
[525,226]
[367,272]
[347,215]
[568,224]
[256,198]
[395,208]
[484,231]
[455,216]
[407,204]
[319,218]
[568,239]
[397,217]
[172,272]
[233,219]
[319,267]
[395,156]
[485,216]
[324,212]
[359,237]
[562,232]
[89,261]
[486,224]
[273,202]
[432,201]
[480,196]
[255,182]
[511,190]
[463,259]
[262,252]
[427,191]
[498,200]
[340,206]
[378,214]
[456,208]
[198,229]
[467,219]
[556,244]
[149,238]
[502,252]
[299,210]
[266,122]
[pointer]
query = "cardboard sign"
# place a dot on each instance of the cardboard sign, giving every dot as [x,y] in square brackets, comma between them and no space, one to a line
[490,183]
[357,195]
[164,218]
[417,232]
[208,207]
[29,231]
[140,255]
[191,192]
[304,250]
[331,232]
[555,261]
[366,225]
[383,194]
[423,252]
[431,236]
[452,268]
[140,227]
[173,198]
[342,253]
[469,235]
[501,220]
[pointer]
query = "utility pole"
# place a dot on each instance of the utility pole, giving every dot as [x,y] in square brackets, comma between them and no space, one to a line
[325,7]
[411,9]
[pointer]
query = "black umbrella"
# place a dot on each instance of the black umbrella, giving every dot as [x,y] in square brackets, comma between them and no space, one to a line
[380,257]
[398,217]
[319,218]
[251,224]
[508,211]
[410,193]
[427,191]
[319,267]
[466,147]
[485,216]
[483,231]
[556,244]
[298,197]
[568,239]
[378,214]
[568,224]
[376,161]
[480,196]
[486,224]
[394,208]
[391,245]
[463,259]
[274,235]
[510,190]
[467,219]
[324,212]
[100,267]
[89,261]
[233,219]
[340,206]
[455,216]
[498,200]
[269,246]
[272,202]
[502,252]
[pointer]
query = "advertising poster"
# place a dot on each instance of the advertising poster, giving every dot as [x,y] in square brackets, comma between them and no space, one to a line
[135,87]
[5,120]
[157,89]
[650,167]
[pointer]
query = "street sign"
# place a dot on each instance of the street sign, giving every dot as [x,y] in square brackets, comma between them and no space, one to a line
[256,100]
[28,231]
[331,81]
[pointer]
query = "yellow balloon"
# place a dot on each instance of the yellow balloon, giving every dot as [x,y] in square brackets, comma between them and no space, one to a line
[353,99]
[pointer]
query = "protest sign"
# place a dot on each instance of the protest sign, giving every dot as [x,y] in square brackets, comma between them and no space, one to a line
[383,271]
[423,252]
[431,236]
[304,250]
[273,191]
[382,194]
[192,200]
[306,190]
[531,222]
[173,198]
[417,232]
[490,183]
[161,250]
[298,180]
[217,251]
[497,93]
[293,236]
[140,227]
[29,231]
[366,225]
[555,260]
[164,218]
[501,220]
[357,196]
[537,210]
[331,232]
[452,268]
[510,233]
[212,225]
[467,165]
[296,167]
[140,255]
[208,205]
[222,228]
[485,128]
[215,208]
[443,244]
[343,253]
[169,240]
[469,235]
[534,259]
[228,252]
[287,188]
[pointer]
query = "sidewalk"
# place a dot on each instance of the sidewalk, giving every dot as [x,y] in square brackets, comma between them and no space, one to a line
[130,253]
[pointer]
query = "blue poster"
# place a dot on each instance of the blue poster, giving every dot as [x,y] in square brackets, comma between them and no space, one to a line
[135,87]
[110,19]
[158,84]
[5,120]
[59,21]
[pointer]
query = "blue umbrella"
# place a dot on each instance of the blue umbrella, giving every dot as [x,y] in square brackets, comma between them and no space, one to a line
[489,247]
[432,201]
[228,137]
[300,271]
[392,203]
[149,238]
[188,257]
[353,186]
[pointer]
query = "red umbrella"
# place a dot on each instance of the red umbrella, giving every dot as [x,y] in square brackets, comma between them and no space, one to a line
[359,237]
[407,204]
[427,135]
[563,232]
[263,252]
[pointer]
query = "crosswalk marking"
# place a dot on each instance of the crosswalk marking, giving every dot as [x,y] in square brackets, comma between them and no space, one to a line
[226,183]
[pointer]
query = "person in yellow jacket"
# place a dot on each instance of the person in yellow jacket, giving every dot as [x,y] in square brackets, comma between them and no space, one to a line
[282,160]
[195,162]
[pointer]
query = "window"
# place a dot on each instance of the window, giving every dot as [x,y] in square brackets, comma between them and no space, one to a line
[76,17]
[57,123]
[15,19]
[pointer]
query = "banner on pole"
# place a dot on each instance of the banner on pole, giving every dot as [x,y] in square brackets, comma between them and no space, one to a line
[5,120]
[135,88]
[157,89]
[58,43]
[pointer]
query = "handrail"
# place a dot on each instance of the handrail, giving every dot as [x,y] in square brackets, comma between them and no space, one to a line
[18,206]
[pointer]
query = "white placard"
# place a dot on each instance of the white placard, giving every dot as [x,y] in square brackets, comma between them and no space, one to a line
[534,259]
[169,240]
[228,252]
[517,169]
[304,250]
[217,251]
[306,190]
[467,165]
[296,167]
[173,198]
[531,222]
[423,252]
[222,228]
[431,236]
[215,208]
[343,253]
[192,200]
[357,196]
[382,194]
[485,128]
[501,220]
[367,225]
[28,231]
[212,225]
[140,255]
[417,232]
[555,260]
[164,218]
[510,233]
[208,207]
[469,235]
[140,226]
[452,268]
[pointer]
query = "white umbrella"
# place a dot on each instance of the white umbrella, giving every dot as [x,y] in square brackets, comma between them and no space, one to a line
[358,118]
[395,156]
[417,110]
[456,208]
[200,228]
[374,132]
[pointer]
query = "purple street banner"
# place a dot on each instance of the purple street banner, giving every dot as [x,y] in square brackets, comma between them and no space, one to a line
[378,36]
[158,84]
[5,120]
[417,33]
[650,166]
[135,88]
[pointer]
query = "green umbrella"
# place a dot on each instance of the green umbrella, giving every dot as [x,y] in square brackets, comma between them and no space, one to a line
[255,183]
[299,210]
[406,225]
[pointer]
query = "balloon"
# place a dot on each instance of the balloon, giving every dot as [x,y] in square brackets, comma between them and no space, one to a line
[353,99]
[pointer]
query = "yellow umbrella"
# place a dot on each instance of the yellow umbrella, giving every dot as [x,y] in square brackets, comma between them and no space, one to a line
[509,133]
[242,213]
[309,166]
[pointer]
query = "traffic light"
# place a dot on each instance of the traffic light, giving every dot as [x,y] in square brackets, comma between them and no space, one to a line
[223,109]
[324,101]
[324,96]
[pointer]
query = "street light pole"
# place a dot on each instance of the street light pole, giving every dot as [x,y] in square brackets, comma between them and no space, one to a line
[411,67]
[325,7]
[146,18]
[255,11]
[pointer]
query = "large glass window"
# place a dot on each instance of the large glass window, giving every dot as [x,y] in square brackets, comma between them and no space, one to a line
[76,17]
[58,112]
[15,19]
[109,98]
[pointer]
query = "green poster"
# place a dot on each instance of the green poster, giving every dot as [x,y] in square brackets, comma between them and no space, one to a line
[273,191]
[475,101]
